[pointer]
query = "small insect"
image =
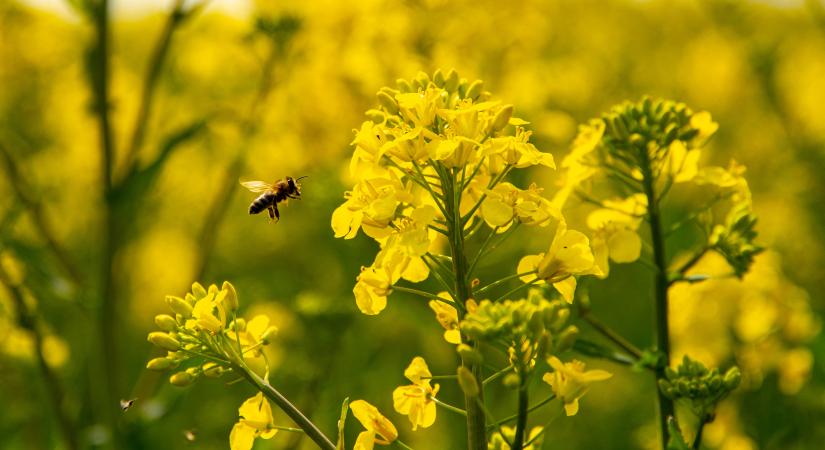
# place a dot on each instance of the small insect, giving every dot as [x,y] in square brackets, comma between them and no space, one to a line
[126,404]
[274,193]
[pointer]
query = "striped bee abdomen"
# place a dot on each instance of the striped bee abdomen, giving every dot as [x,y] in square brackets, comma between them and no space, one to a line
[261,203]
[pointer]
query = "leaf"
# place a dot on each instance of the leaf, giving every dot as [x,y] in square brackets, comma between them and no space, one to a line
[341,422]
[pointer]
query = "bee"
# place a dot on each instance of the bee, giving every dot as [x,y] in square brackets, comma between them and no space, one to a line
[273,194]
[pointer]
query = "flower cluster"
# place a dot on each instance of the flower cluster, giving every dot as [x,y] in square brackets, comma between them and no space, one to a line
[431,160]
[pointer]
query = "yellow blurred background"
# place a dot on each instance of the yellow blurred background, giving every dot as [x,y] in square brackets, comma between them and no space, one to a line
[262,90]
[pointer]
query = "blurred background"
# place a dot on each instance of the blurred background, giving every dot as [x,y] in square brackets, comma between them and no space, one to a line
[100,219]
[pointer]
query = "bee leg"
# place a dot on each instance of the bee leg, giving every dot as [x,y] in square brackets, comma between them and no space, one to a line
[277,214]
[271,213]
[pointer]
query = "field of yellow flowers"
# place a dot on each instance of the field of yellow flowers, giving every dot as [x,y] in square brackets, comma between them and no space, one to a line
[538,224]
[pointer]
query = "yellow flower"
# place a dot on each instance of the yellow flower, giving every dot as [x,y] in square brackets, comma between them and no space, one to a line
[371,206]
[371,289]
[379,430]
[569,255]
[255,421]
[369,144]
[570,382]
[517,151]
[415,400]
[506,202]
[614,231]
[447,316]
[254,333]
[681,164]
[204,313]
[703,122]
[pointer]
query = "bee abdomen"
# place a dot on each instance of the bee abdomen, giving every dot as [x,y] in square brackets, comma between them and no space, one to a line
[261,203]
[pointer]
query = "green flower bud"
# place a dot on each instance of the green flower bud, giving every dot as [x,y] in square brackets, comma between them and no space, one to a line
[732,378]
[163,340]
[670,373]
[511,380]
[566,339]
[666,388]
[468,382]
[231,299]
[179,306]
[561,318]
[536,323]
[502,118]
[239,325]
[190,298]
[452,81]
[198,290]
[166,322]
[212,370]
[438,78]
[161,364]
[469,354]
[269,334]
[376,116]
[474,90]
[182,379]
[404,85]
[545,347]
[422,79]
[462,87]
[389,103]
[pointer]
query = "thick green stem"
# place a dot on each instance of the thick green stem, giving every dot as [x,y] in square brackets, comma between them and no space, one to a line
[287,407]
[476,421]
[521,420]
[661,283]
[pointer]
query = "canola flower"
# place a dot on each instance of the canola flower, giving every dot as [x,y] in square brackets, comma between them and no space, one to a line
[378,429]
[570,382]
[417,400]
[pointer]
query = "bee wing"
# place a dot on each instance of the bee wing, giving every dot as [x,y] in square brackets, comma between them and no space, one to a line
[256,186]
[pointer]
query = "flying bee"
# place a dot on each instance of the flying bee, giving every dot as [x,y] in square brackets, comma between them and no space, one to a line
[273,194]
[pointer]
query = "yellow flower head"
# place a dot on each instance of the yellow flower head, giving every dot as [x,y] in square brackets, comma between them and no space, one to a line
[415,400]
[255,421]
[379,430]
[505,202]
[614,231]
[570,382]
[370,206]
[569,255]
[371,289]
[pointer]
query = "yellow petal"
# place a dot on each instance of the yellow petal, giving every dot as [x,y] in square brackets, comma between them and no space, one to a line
[345,223]
[567,288]
[417,370]
[527,264]
[572,408]
[365,440]
[625,246]
[241,437]
[256,413]
[368,302]
[496,213]
[452,336]
[416,270]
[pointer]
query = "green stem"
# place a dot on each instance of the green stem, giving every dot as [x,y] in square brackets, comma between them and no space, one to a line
[516,289]
[287,407]
[612,335]
[449,407]
[481,251]
[697,441]
[497,375]
[476,421]
[502,281]
[521,419]
[661,283]
[529,410]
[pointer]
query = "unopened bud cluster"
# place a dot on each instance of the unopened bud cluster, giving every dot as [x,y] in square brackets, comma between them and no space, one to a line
[203,333]
[703,387]
[533,327]
[734,239]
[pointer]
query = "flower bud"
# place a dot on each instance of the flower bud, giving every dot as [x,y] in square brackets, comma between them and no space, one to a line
[231,299]
[269,334]
[239,325]
[376,116]
[212,370]
[182,379]
[404,85]
[438,78]
[163,340]
[468,382]
[566,339]
[536,323]
[511,381]
[389,103]
[502,118]
[451,82]
[179,306]
[161,364]
[561,318]
[422,79]
[469,355]
[198,290]
[732,378]
[213,289]
[166,322]
[474,90]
